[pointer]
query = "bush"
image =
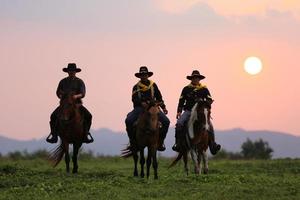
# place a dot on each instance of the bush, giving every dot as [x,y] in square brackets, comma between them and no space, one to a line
[258,149]
[223,154]
[16,155]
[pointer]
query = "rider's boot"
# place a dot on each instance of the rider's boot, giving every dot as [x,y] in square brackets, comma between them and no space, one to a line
[53,137]
[132,141]
[162,136]
[87,126]
[213,146]
[178,131]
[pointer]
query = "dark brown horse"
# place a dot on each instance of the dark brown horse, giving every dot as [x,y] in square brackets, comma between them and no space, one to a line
[147,135]
[70,129]
[196,138]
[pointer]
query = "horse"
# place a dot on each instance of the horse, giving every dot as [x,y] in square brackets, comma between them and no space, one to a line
[195,137]
[147,135]
[71,131]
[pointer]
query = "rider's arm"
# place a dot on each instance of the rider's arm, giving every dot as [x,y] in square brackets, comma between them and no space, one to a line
[207,94]
[181,100]
[82,90]
[158,96]
[135,97]
[59,90]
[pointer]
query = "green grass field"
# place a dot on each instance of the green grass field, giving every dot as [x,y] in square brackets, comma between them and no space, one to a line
[111,178]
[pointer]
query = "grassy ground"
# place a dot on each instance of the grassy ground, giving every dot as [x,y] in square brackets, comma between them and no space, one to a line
[111,178]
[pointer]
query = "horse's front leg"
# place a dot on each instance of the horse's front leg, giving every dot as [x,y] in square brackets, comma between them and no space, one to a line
[135,158]
[149,160]
[67,157]
[205,162]
[155,163]
[142,162]
[195,160]
[200,157]
[76,148]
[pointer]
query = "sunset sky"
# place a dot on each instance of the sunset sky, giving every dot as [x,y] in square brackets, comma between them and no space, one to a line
[110,39]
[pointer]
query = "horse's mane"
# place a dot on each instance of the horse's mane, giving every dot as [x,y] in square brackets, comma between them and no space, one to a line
[191,121]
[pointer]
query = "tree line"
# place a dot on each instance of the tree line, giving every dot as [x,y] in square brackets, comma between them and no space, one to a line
[258,149]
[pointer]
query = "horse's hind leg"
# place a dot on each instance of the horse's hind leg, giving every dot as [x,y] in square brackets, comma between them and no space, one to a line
[185,159]
[142,162]
[75,156]
[67,158]
[135,158]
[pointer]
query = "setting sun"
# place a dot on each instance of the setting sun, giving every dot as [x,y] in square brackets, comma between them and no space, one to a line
[253,65]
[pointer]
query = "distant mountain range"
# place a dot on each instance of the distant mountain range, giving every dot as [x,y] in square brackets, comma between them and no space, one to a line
[108,142]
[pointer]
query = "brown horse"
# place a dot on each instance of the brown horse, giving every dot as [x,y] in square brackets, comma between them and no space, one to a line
[70,129]
[196,138]
[147,135]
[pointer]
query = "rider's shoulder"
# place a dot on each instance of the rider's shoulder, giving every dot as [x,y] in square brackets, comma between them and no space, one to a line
[78,79]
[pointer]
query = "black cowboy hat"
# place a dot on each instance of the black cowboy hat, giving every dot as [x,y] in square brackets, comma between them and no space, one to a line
[143,70]
[195,73]
[71,68]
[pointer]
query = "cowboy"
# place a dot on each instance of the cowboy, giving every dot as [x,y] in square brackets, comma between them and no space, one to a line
[71,84]
[189,95]
[142,92]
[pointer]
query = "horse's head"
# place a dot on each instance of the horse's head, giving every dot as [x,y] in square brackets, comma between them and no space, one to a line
[67,106]
[200,116]
[151,115]
[203,111]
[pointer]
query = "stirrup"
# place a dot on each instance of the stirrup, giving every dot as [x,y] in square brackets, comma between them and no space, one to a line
[214,148]
[161,147]
[87,139]
[175,148]
[53,139]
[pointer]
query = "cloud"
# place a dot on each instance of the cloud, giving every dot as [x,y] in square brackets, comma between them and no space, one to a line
[233,7]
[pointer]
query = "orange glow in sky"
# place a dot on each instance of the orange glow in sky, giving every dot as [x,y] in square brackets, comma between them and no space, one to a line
[110,40]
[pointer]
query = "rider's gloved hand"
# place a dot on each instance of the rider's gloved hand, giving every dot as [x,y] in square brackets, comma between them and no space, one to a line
[178,115]
[144,104]
[165,111]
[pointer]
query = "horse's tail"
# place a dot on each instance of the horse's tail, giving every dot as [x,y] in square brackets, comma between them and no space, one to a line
[57,154]
[126,153]
[179,156]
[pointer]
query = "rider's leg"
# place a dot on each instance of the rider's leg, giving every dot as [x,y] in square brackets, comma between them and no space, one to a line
[179,129]
[164,130]
[129,121]
[53,127]
[87,124]
[213,146]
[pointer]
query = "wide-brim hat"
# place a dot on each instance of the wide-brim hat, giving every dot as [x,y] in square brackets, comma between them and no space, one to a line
[143,71]
[195,73]
[71,68]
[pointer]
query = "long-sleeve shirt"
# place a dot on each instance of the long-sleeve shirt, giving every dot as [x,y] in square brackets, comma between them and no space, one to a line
[190,94]
[68,85]
[141,92]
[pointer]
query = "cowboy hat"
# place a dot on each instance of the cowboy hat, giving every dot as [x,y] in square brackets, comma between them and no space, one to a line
[143,70]
[195,73]
[71,68]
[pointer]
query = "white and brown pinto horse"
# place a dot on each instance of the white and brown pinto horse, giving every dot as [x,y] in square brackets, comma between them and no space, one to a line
[196,137]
